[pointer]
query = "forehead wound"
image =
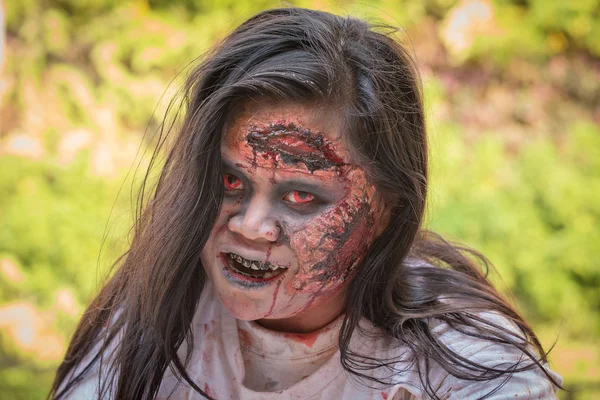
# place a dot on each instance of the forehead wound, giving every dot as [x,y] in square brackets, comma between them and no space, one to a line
[292,145]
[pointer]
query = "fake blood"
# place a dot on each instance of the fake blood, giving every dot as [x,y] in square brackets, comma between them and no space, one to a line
[208,391]
[275,292]
[335,242]
[245,338]
[308,339]
[293,146]
[339,245]
[269,249]
[324,241]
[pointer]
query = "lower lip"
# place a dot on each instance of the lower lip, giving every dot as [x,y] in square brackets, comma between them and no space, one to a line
[242,280]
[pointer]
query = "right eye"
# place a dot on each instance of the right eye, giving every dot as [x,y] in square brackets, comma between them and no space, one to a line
[232,182]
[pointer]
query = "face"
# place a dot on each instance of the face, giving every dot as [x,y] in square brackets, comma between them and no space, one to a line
[297,218]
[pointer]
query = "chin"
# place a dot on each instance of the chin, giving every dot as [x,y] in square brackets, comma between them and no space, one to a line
[246,308]
[249,296]
[240,312]
[246,298]
[247,315]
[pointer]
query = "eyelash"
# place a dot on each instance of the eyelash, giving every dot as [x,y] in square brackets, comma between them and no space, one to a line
[295,197]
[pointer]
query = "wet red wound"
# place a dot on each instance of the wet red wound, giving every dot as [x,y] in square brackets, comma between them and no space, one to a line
[291,145]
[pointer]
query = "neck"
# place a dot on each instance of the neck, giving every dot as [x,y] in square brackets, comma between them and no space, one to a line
[318,316]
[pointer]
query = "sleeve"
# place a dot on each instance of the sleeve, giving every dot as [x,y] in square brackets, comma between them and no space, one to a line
[84,390]
[88,388]
[531,384]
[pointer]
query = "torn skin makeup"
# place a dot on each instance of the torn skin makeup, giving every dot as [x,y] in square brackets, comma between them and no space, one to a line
[293,198]
[327,252]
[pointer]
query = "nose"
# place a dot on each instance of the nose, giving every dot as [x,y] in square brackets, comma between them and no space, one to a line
[255,222]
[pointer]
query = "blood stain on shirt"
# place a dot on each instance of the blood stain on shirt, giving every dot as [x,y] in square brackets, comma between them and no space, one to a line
[308,339]
[208,391]
[245,338]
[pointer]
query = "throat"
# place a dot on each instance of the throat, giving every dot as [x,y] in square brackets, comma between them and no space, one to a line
[275,361]
[323,310]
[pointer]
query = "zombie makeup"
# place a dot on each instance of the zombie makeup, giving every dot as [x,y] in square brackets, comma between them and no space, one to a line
[337,241]
[333,243]
[292,146]
[297,218]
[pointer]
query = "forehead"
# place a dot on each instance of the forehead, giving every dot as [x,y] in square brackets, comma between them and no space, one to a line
[289,127]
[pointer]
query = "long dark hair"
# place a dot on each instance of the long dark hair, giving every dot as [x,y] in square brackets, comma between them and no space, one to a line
[293,54]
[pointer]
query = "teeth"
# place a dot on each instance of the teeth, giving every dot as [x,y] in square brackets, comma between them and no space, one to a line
[255,265]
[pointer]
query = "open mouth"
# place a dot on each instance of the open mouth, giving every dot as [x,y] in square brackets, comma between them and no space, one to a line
[252,268]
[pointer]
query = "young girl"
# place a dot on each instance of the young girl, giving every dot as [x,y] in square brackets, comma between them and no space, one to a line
[282,254]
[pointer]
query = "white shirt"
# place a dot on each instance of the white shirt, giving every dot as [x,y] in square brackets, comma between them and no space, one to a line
[234,359]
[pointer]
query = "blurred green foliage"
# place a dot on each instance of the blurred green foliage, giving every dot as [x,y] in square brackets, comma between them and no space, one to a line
[50,233]
[513,100]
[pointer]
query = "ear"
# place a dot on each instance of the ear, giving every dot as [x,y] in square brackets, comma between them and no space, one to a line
[384,219]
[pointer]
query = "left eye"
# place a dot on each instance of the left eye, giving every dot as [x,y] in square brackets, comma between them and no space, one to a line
[299,197]
[232,182]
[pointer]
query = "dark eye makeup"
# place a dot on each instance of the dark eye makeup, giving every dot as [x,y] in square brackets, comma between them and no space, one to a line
[297,194]
[232,182]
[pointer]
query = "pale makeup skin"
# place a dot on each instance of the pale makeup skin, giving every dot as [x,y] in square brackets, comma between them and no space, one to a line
[293,198]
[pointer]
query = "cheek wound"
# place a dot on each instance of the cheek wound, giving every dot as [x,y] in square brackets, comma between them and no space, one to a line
[329,260]
[329,250]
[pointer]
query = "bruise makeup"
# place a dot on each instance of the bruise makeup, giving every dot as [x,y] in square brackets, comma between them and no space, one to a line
[297,217]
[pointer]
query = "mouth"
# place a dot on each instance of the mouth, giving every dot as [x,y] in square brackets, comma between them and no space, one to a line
[253,269]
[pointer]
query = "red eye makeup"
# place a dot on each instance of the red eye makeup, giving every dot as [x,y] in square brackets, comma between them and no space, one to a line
[299,197]
[231,182]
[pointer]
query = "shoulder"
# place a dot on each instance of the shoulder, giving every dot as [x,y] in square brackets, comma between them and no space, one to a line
[102,376]
[93,377]
[526,381]
[405,370]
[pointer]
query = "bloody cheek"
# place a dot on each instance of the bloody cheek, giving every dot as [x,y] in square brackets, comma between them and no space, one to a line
[335,242]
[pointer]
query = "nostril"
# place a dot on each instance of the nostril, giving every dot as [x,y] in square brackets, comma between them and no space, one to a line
[273,232]
[254,228]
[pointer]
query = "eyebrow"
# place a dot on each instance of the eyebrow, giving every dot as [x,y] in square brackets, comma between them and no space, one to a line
[229,165]
[295,145]
[306,177]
